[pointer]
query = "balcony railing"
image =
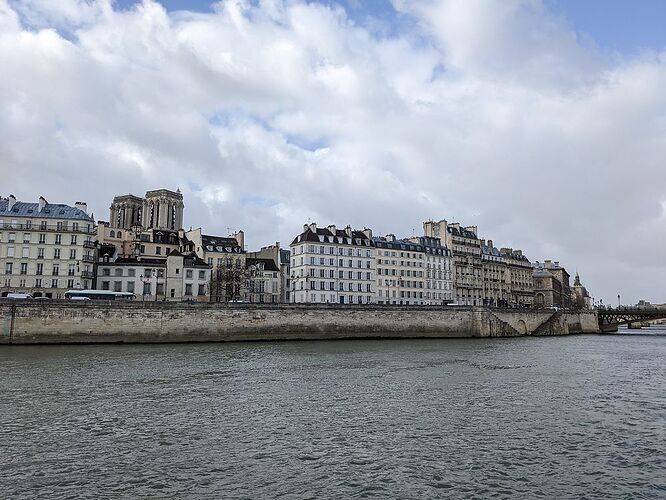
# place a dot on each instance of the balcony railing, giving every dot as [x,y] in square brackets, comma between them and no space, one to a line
[48,227]
[88,258]
[87,274]
[88,244]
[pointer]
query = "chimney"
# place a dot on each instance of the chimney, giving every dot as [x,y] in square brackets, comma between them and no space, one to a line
[473,229]
[42,203]
[519,253]
[490,244]
[305,227]
[332,229]
[348,230]
[390,237]
[240,238]
[313,227]
[82,205]
[11,202]
[455,225]
[367,232]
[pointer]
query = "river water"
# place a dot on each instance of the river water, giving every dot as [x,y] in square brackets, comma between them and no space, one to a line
[560,417]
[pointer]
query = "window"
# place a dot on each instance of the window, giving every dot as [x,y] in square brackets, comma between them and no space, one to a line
[40,253]
[42,238]
[106,271]
[12,237]
[202,275]
[42,225]
[59,226]
[105,285]
[58,239]
[56,269]
[75,226]
[131,273]
[24,268]
[25,252]
[188,289]
[70,284]
[56,253]
[73,242]
[117,286]
[202,289]
[118,271]
[40,269]
[26,237]
[146,288]
[188,274]
[54,283]
[72,254]
[158,250]
[173,293]
[71,270]
[38,283]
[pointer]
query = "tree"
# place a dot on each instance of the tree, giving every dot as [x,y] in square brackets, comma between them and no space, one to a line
[229,282]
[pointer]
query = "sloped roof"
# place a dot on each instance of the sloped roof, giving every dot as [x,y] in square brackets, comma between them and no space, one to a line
[269,264]
[220,244]
[324,235]
[50,211]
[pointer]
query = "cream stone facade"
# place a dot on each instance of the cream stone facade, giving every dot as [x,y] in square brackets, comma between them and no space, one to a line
[331,265]
[413,271]
[45,248]
[520,278]
[496,276]
[465,248]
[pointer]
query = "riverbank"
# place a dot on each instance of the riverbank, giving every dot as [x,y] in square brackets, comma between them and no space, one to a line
[27,322]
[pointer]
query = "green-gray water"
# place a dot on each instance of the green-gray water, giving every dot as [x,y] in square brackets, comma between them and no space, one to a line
[579,416]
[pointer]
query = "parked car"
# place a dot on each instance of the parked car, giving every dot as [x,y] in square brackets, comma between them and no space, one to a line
[19,296]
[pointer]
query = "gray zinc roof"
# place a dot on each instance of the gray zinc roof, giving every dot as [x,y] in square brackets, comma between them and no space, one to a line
[50,211]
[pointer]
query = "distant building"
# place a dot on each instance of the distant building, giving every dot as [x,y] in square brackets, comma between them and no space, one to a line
[263,281]
[465,248]
[521,282]
[227,258]
[178,277]
[159,209]
[496,276]
[580,297]
[281,258]
[331,265]
[45,248]
[551,285]
[413,271]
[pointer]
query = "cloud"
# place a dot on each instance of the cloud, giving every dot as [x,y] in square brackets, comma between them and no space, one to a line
[268,113]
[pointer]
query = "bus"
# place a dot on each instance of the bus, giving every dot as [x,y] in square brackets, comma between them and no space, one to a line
[98,295]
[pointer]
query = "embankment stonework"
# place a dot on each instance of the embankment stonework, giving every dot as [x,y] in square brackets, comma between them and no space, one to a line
[23,322]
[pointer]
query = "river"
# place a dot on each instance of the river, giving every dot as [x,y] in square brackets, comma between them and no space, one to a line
[558,417]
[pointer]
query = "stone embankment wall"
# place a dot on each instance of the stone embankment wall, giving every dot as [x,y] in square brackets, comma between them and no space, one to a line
[27,322]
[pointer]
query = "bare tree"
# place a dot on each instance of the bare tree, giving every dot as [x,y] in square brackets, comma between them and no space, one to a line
[229,283]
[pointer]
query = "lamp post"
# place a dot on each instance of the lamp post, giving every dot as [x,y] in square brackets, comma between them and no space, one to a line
[144,280]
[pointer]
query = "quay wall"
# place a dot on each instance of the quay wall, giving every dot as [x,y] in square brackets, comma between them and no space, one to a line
[28,322]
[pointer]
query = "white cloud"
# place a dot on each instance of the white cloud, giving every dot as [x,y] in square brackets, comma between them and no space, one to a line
[266,115]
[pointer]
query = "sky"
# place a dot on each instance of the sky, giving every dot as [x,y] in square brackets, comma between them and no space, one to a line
[542,122]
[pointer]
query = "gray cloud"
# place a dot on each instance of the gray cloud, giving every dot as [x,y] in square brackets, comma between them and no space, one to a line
[493,113]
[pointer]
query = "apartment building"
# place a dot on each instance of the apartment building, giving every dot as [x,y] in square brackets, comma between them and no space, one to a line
[45,248]
[413,271]
[331,265]
[465,248]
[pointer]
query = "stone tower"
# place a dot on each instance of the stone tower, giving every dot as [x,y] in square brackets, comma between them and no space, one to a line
[163,209]
[126,211]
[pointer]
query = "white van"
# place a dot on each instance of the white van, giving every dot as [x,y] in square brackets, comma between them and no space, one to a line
[19,296]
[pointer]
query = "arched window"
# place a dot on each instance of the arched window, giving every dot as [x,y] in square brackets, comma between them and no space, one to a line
[112,234]
[119,235]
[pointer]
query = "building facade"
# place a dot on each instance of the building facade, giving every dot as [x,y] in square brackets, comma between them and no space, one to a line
[227,259]
[45,248]
[551,285]
[465,248]
[331,265]
[496,276]
[414,271]
[263,281]
[520,278]
[158,209]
